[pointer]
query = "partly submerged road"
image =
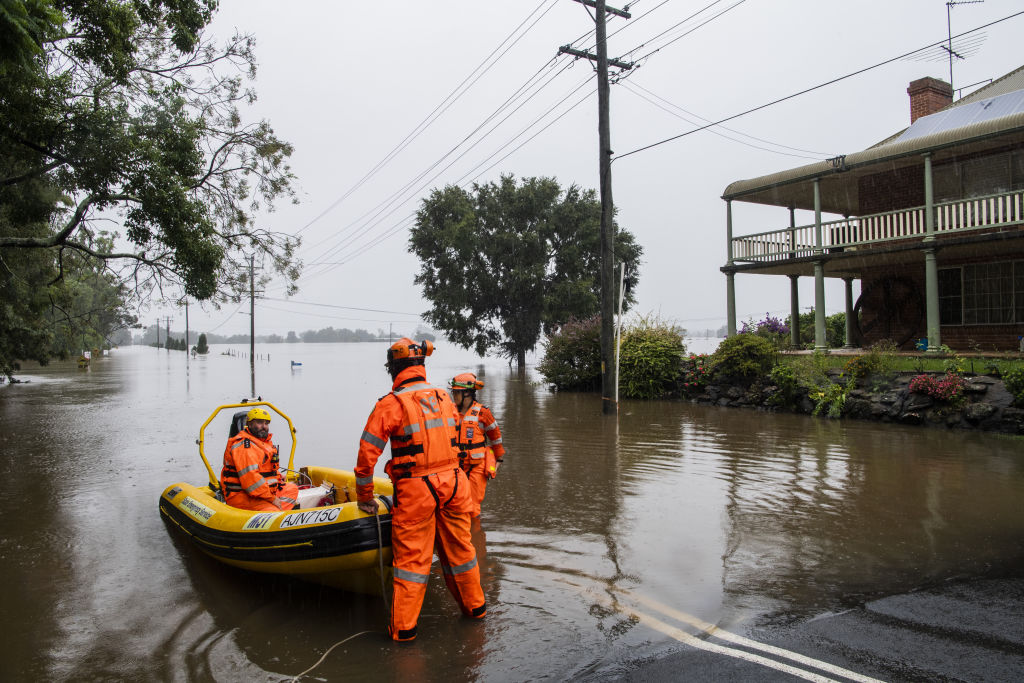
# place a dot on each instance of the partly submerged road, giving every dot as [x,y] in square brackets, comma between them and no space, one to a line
[962,631]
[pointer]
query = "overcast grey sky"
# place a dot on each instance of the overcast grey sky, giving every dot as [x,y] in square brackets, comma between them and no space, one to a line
[347,83]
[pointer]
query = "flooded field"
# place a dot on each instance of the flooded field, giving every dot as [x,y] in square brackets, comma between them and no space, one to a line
[737,518]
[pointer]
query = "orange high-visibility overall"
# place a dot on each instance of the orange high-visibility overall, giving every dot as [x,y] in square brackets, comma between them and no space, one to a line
[250,479]
[432,497]
[479,443]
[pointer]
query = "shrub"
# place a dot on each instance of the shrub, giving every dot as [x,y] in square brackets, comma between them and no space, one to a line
[954,363]
[830,399]
[784,377]
[1014,381]
[695,374]
[651,360]
[772,329]
[949,388]
[572,356]
[743,356]
[835,330]
[878,362]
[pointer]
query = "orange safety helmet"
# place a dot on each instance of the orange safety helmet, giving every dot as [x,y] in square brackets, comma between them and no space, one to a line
[466,381]
[406,352]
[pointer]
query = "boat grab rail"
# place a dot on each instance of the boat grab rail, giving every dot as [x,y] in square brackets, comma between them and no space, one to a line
[214,481]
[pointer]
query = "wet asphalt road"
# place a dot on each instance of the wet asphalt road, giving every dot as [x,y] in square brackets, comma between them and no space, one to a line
[969,630]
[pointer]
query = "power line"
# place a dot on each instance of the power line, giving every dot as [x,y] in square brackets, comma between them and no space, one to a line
[396,199]
[445,104]
[397,195]
[348,308]
[630,85]
[337,248]
[329,317]
[807,90]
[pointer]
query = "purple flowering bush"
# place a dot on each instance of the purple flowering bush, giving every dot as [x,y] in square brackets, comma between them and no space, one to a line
[771,328]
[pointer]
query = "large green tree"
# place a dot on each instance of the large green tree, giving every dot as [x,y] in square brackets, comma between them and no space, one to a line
[120,116]
[509,260]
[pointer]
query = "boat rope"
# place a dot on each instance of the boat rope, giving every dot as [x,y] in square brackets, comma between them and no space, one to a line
[320,661]
[383,592]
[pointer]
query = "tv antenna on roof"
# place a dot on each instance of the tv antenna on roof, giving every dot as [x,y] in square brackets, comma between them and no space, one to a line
[950,4]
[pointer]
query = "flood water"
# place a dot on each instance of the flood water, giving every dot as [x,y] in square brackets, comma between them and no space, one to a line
[739,518]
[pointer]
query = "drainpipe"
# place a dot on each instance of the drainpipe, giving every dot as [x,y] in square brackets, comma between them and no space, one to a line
[820,343]
[848,281]
[931,268]
[730,277]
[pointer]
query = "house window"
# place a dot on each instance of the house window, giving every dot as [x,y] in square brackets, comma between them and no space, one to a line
[1018,291]
[988,293]
[978,177]
[982,294]
[1017,169]
[951,296]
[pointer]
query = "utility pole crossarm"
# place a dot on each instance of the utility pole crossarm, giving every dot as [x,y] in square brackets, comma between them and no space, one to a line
[624,13]
[565,49]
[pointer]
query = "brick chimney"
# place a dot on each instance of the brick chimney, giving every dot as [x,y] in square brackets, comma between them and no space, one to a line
[927,96]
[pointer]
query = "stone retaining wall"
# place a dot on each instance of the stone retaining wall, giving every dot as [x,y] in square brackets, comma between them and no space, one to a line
[986,404]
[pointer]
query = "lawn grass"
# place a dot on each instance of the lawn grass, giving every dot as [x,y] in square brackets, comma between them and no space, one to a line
[974,365]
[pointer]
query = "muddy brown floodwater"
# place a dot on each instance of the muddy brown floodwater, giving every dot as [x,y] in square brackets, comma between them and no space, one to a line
[738,518]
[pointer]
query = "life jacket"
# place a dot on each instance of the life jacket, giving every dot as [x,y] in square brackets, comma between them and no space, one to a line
[426,442]
[471,440]
[269,463]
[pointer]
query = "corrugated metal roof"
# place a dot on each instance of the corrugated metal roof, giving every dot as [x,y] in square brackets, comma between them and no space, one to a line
[964,114]
[976,123]
[839,189]
[1002,85]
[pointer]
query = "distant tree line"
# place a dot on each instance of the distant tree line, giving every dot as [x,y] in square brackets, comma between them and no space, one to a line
[326,335]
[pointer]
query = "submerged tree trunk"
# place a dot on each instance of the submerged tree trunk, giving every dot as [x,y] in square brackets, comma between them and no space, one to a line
[521,360]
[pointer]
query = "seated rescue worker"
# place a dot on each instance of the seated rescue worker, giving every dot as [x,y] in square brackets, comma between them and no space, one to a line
[250,479]
[432,499]
[479,437]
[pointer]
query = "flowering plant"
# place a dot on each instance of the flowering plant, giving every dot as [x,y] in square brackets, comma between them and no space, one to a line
[949,388]
[768,327]
[695,373]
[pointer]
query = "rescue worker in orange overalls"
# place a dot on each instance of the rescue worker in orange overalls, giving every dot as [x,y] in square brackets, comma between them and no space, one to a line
[432,499]
[479,437]
[251,479]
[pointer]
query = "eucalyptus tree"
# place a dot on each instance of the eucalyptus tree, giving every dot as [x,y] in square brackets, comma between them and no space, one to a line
[123,118]
[508,261]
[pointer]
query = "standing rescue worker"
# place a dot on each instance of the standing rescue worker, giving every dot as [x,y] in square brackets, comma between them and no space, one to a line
[251,479]
[432,499]
[479,437]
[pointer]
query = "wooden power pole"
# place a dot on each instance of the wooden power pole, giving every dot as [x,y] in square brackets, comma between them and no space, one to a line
[609,380]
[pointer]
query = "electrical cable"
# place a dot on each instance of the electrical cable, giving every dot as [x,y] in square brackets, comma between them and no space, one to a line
[807,90]
[362,249]
[437,112]
[818,155]
[336,249]
[397,195]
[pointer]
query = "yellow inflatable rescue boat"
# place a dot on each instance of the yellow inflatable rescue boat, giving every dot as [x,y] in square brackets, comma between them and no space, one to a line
[327,540]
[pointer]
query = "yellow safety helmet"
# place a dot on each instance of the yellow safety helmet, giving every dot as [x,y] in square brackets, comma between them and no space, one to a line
[257,414]
[466,381]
